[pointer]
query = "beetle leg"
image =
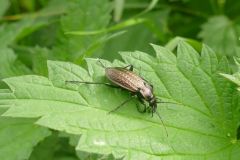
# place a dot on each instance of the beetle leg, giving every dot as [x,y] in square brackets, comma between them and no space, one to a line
[140,98]
[142,102]
[130,67]
[142,110]
[107,84]
[149,109]
[140,71]
[124,102]
[100,62]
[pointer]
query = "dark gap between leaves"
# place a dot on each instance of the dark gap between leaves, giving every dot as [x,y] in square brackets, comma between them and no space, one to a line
[238,132]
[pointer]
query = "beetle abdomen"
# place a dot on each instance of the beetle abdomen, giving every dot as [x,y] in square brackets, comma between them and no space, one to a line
[124,78]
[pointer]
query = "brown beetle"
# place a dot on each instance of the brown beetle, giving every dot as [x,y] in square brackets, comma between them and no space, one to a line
[124,77]
[132,82]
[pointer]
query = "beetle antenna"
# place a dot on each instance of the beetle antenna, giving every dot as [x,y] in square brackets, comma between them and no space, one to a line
[97,83]
[85,82]
[166,102]
[159,101]
[100,62]
[162,122]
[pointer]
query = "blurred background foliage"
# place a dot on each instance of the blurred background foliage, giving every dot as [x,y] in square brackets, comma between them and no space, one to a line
[33,31]
[36,30]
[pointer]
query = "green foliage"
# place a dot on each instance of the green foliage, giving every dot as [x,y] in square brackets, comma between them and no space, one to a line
[43,43]
[18,137]
[235,78]
[4,6]
[220,33]
[53,147]
[79,16]
[16,31]
[9,64]
[185,80]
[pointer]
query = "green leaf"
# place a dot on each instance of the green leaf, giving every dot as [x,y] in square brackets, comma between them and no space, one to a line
[54,147]
[4,4]
[202,125]
[45,149]
[10,33]
[235,78]
[122,25]
[85,155]
[18,137]
[139,36]
[173,43]
[39,58]
[9,65]
[79,17]
[151,6]
[118,8]
[221,34]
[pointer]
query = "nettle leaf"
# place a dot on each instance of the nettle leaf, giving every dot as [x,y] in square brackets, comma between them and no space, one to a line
[139,36]
[54,147]
[235,78]
[10,33]
[46,149]
[18,135]
[201,125]
[79,17]
[9,65]
[221,34]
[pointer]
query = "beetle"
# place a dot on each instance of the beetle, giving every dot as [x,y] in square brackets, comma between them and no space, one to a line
[132,82]
[124,77]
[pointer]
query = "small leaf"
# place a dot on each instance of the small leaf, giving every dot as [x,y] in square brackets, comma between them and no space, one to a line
[235,78]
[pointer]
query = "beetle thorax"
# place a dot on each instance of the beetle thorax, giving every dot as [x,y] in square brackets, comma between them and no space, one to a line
[147,92]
